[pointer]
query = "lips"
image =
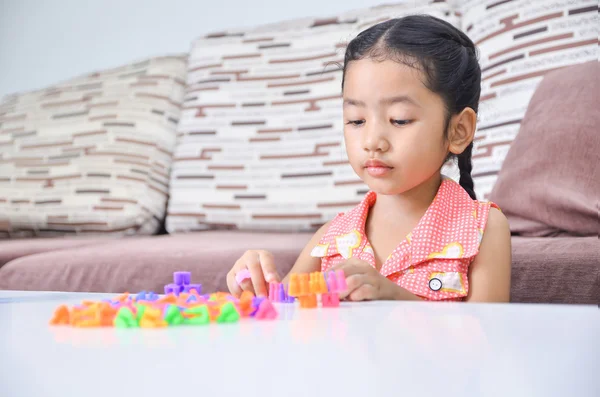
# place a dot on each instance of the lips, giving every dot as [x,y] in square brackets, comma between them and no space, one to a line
[377,168]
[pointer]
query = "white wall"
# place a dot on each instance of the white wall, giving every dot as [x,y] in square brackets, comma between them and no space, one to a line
[45,41]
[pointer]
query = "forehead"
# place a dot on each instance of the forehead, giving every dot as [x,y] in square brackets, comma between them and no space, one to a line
[368,79]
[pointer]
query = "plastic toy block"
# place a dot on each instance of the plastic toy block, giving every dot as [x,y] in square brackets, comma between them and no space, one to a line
[182,278]
[61,316]
[139,311]
[331,282]
[294,285]
[197,315]
[304,284]
[229,314]
[330,300]
[146,296]
[193,287]
[173,315]
[125,318]
[317,283]
[341,281]
[141,296]
[245,304]
[308,301]
[272,292]
[277,293]
[191,299]
[299,285]
[266,311]
[256,301]
[173,289]
[149,322]
[242,275]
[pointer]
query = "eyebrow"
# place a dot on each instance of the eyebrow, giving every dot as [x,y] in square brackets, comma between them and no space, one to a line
[385,101]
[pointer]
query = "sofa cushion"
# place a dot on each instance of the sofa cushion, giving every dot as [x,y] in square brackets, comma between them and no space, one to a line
[260,140]
[549,183]
[15,248]
[556,270]
[91,155]
[519,42]
[146,263]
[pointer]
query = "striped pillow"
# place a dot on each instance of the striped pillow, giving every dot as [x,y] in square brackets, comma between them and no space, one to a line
[91,155]
[260,139]
[519,42]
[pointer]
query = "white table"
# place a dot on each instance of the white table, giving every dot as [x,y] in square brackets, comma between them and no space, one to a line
[364,349]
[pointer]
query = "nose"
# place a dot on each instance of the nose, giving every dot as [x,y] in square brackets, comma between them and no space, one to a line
[374,139]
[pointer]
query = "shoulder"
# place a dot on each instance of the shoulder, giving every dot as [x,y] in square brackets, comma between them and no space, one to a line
[496,237]
[497,223]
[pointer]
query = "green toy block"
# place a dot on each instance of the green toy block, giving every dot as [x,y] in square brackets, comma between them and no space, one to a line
[125,319]
[201,316]
[229,313]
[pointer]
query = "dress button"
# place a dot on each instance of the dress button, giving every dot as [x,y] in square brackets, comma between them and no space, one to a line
[435,284]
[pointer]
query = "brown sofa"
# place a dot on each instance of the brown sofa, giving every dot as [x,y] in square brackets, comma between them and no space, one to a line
[545,270]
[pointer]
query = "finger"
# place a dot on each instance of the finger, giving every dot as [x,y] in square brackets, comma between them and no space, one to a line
[246,285]
[234,288]
[363,293]
[257,276]
[351,267]
[267,264]
[353,282]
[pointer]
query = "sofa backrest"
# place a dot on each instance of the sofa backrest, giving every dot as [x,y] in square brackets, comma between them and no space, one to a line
[260,138]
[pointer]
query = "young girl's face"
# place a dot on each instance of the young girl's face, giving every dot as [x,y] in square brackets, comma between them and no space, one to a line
[393,126]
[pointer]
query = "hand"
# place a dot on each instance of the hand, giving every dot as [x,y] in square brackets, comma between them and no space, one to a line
[366,283]
[262,270]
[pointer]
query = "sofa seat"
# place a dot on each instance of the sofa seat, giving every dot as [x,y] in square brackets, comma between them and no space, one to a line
[545,270]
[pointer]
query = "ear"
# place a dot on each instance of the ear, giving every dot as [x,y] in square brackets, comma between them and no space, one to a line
[462,130]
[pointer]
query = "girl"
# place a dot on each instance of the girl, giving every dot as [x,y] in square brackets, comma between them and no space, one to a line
[410,97]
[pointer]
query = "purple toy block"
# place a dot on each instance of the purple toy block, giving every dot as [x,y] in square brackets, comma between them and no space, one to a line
[190,287]
[173,289]
[182,278]
[331,282]
[281,295]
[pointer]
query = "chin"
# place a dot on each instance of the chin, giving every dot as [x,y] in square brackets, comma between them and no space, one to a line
[384,187]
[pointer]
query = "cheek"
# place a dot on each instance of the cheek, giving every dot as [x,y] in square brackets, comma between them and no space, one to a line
[353,144]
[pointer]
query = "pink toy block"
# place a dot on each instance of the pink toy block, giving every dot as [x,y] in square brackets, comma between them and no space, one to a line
[330,300]
[242,275]
[341,281]
[266,311]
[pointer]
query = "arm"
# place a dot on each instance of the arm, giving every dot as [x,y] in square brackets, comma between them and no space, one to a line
[306,263]
[489,274]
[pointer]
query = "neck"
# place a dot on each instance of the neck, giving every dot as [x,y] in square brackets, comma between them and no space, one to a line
[413,202]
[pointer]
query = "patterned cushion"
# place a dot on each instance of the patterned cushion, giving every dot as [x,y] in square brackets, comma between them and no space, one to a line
[260,141]
[519,42]
[91,155]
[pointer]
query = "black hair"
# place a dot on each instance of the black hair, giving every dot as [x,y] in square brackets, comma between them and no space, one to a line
[446,56]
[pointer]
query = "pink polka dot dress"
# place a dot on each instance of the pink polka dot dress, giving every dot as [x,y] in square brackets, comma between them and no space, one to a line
[433,260]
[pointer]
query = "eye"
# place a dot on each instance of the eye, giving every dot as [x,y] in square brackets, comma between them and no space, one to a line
[356,123]
[401,122]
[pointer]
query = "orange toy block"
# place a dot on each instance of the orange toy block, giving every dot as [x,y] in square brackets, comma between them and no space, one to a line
[294,285]
[304,283]
[308,301]
[168,299]
[245,304]
[317,283]
[61,316]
